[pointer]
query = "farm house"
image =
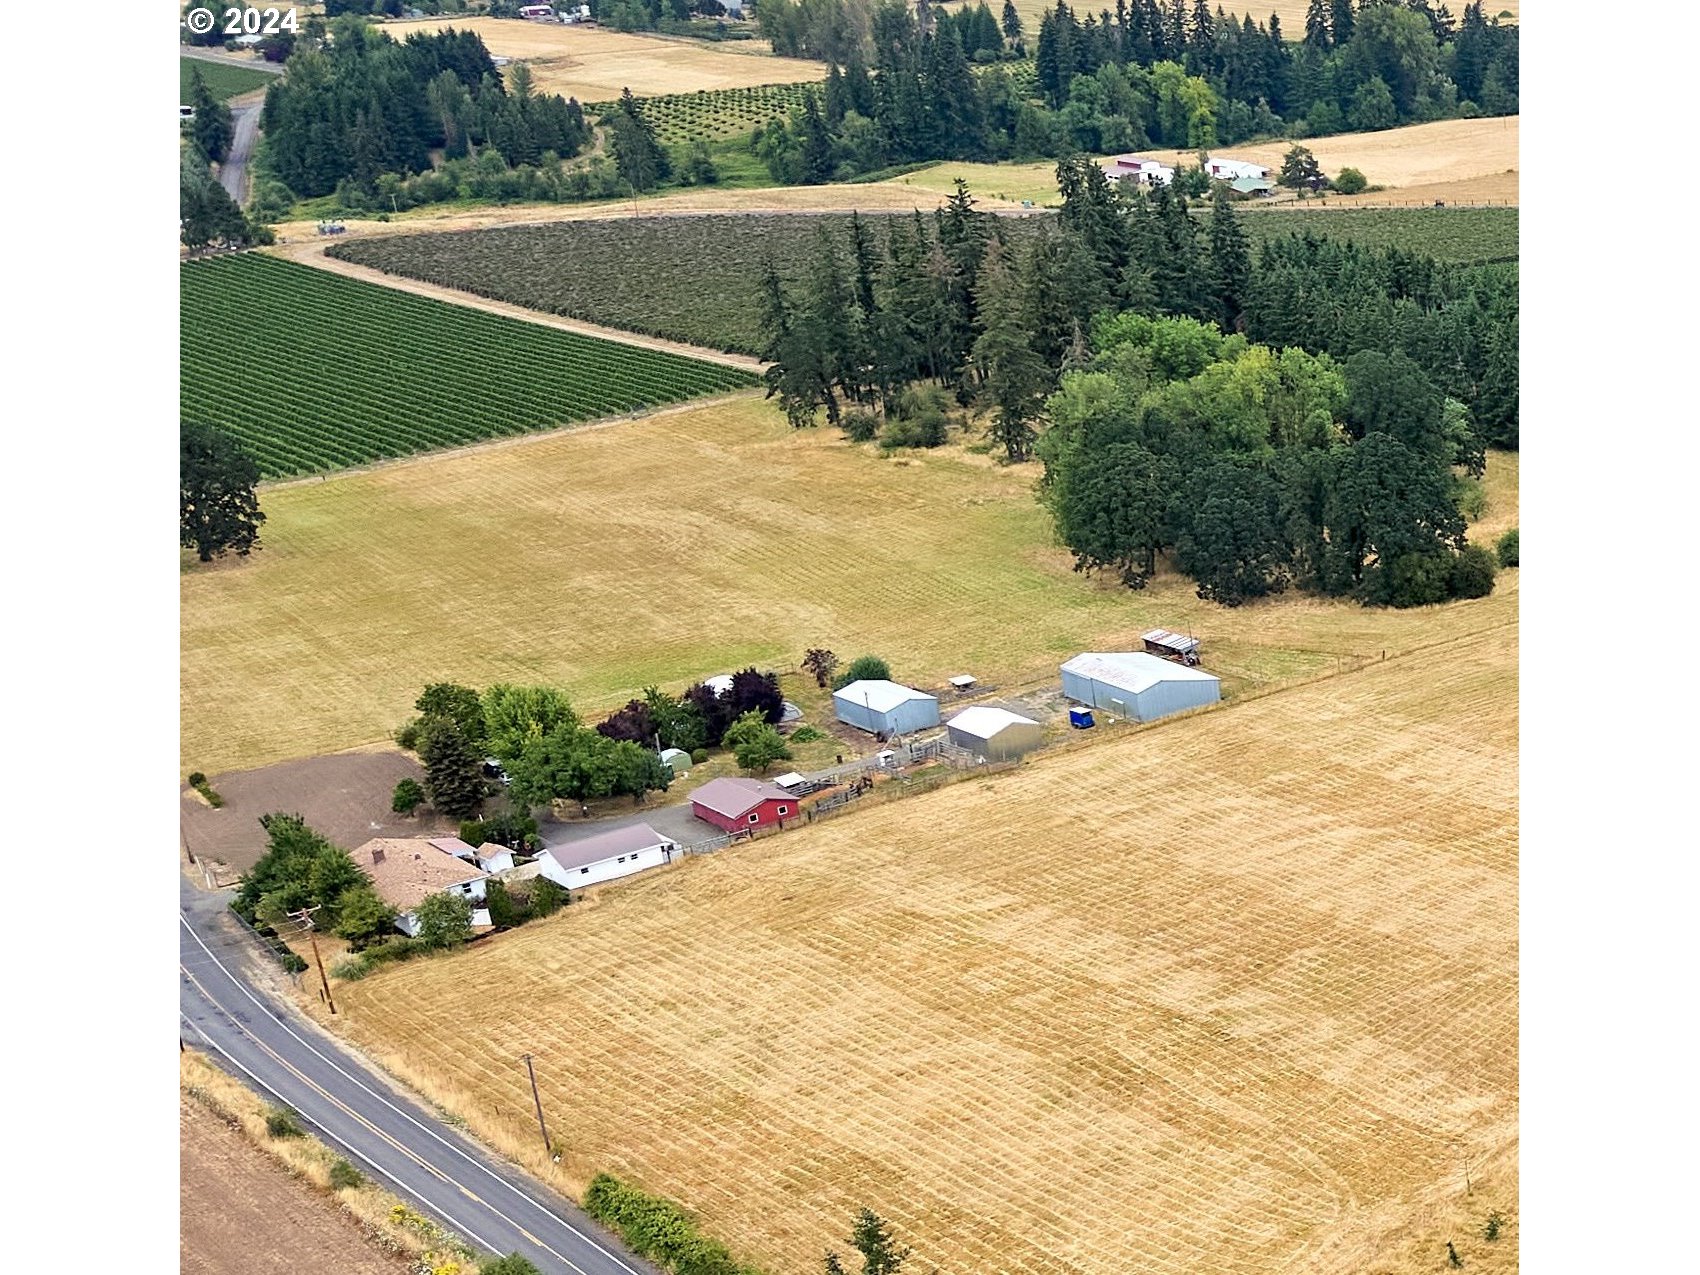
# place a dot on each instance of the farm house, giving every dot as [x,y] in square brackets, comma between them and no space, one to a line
[994,733]
[405,871]
[876,705]
[1134,684]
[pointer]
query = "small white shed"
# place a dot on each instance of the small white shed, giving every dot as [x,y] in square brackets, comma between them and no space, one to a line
[994,733]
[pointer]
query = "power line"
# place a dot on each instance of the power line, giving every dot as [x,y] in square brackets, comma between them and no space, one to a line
[306,918]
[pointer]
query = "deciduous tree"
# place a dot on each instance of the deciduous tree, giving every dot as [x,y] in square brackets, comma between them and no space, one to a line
[219,511]
[445,920]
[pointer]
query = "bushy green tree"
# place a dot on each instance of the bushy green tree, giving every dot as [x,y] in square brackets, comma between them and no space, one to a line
[460,704]
[755,743]
[514,716]
[864,668]
[1507,549]
[218,510]
[454,771]
[1351,182]
[299,869]
[213,127]
[363,916]
[445,920]
[408,797]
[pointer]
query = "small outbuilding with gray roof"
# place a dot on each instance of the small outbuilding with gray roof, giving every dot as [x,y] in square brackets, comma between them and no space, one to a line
[877,705]
[994,733]
[1134,684]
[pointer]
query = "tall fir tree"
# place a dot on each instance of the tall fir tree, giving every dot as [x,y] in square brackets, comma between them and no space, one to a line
[1230,261]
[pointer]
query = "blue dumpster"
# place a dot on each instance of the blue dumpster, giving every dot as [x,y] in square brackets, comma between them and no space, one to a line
[1080,718]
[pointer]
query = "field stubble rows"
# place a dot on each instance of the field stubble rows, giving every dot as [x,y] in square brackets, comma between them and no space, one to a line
[1233,995]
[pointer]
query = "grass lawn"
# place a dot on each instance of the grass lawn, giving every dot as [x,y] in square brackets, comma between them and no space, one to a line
[1235,994]
[670,548]
[223,80]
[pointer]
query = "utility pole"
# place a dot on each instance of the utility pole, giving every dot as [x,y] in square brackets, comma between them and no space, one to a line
[305,916]
[530,1071]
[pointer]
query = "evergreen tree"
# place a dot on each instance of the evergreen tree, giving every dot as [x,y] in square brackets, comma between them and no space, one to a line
[454,774]
[1340,24]
[1015,378]
[212,127]
[1316,26]
[638,156]
[217,509]
[1230,261]
[1011,23]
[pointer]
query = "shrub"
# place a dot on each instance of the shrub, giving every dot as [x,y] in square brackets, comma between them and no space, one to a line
[292,963]
[926,429]
[699,756]
[548,897]
[1472,573]
[197,779]
[345,1177]
[408,736]
[1414,580]
[863,668]
[860,427]
[407,798]
[807,735]
[1507,548]
[1491,1229]
[658,1229]
[352,969]
[512,1264]
[281,1122]
[1351,182]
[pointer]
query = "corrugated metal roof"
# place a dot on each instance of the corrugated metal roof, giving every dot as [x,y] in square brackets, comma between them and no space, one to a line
[1133,670]
[734,797]
[983,721]
[1174,641]
[880,696]
[606,845]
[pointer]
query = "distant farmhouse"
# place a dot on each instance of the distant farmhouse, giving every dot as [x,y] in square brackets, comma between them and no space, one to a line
[1141,172]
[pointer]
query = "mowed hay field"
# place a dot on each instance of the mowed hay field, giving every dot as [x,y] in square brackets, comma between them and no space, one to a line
[1474,160]
[594,64]
[666,549]
[1234,994]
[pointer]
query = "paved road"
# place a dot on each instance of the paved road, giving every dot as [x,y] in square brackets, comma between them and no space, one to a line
[441,1172]
[233,173]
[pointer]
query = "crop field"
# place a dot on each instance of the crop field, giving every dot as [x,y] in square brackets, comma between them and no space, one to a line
[1234,995]
[368,373]
[1449,234]
[223,81]
[694,279]
[594,64]
[677,546]
[714,114]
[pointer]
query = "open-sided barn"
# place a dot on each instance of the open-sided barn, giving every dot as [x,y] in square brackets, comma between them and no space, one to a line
[1134,684]
[878,705]
[994,733]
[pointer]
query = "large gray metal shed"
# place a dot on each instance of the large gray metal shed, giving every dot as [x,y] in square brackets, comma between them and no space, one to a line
[1133,684]
[878,705]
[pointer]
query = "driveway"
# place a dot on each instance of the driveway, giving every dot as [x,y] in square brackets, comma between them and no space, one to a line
[676,822]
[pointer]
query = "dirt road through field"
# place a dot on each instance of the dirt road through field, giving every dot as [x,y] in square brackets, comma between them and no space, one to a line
[313,254]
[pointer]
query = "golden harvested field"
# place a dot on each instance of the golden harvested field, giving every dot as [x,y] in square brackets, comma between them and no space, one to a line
[1464,156]
[593,64]
[1234,994]
[663,550]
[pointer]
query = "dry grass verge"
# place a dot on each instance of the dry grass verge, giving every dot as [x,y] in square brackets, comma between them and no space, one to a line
[385,1219]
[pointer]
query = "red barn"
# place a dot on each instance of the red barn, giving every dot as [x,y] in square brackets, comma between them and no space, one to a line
[736,805]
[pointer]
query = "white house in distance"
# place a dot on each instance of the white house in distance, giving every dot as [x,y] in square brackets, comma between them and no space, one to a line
[1229,170]
[619,852]
[405,871]
[1141,172]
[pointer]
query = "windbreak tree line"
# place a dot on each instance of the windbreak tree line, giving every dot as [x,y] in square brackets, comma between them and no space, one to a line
[364,105]
[1329,456]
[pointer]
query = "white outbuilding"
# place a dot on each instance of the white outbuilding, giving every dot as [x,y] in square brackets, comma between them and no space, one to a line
[994,733]
[1136,685]
[604,856]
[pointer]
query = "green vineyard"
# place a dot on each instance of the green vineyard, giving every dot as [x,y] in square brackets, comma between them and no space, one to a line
[314,372]
[713,114]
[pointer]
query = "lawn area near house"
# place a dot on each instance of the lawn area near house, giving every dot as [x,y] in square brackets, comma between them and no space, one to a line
[681,545]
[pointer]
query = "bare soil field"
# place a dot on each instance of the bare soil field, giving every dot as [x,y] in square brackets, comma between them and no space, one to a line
[244,1214]
[664,549]
[1236,993]
[594,65]
[346,796]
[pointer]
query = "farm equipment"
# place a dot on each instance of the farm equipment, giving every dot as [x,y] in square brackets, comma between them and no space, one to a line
[330,228]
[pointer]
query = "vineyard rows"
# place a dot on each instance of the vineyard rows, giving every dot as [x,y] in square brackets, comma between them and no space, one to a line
[693,278]
[713,114]
[313,371]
